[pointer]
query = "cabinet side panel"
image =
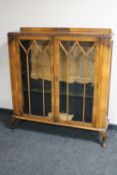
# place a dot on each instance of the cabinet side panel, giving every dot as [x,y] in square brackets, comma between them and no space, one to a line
[15,75]
[104,82]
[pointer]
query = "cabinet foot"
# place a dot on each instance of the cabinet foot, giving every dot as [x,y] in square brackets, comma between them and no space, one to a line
[13,123]
[104,137]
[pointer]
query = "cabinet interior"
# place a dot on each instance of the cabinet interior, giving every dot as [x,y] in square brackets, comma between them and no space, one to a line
[76,78]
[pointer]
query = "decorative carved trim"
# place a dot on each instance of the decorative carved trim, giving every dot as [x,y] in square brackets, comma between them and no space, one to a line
[60,34]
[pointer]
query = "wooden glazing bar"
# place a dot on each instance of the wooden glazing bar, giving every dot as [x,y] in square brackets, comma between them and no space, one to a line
[28,80]
[21,45]
[84,92]
[43,93]
[90,50]
[43,97]
[63,48]
[52,77]
[67,90]
[73,47]
[54,105]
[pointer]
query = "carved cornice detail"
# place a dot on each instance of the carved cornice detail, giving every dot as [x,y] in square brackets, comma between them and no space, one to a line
[28,34]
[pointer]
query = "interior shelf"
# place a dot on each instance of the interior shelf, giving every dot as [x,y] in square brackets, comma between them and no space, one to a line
[71,94]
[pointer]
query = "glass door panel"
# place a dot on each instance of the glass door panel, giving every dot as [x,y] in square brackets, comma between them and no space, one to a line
[36,66]
[76,79]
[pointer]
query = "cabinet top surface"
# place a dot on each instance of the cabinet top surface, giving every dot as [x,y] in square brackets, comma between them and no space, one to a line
[67,30]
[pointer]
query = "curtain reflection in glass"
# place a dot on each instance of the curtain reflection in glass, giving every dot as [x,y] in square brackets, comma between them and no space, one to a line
[39,86]
[80,82]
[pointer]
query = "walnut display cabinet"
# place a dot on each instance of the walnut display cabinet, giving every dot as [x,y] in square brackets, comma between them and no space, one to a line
[61,76]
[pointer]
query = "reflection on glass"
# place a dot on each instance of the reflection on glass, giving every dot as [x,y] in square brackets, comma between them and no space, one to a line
[35,59]
[76,80]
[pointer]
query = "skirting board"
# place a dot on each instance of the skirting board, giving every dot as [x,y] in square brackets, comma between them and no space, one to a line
[10,112]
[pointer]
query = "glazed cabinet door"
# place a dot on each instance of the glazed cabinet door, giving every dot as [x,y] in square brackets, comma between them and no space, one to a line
[36,59]
[78,60]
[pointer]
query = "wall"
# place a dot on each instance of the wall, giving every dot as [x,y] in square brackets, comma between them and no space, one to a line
[55,13]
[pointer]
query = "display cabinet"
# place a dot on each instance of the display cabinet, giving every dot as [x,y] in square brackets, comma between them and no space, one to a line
[61,76]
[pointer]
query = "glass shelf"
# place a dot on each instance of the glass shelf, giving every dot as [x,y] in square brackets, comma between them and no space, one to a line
[62,94]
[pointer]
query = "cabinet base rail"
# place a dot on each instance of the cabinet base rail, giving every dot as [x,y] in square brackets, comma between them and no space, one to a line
[79,125]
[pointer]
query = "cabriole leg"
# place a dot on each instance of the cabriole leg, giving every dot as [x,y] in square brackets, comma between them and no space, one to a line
[104,137]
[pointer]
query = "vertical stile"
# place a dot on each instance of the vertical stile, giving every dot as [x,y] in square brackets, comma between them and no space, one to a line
[13,46]
[104,81]
[101,50]
[96,68]
[20,99]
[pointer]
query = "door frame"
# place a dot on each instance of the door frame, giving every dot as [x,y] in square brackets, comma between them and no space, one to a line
[17,88]
[59,38]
